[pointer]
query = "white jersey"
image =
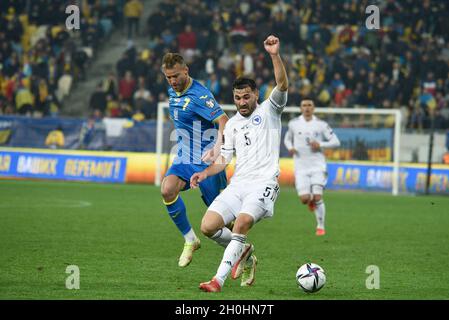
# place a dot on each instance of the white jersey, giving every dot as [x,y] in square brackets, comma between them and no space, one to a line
[299,135]
[256,142]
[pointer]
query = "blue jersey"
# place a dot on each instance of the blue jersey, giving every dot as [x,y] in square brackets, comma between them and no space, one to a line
[193,112]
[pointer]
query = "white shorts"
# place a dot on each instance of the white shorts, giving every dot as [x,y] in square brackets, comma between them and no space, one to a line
[257,200]
[310,182]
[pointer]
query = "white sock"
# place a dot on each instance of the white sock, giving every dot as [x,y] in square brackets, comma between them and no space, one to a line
[222,237]
[232,253]
[190,236]
[320,213]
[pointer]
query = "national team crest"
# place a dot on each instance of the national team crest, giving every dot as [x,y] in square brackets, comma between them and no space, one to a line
[257,120]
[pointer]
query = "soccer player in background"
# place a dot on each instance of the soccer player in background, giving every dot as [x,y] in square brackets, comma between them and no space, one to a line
[305,139]
[195,113]
[254,134]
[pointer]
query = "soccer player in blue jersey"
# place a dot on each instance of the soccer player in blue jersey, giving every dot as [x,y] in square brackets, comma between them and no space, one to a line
[196,116]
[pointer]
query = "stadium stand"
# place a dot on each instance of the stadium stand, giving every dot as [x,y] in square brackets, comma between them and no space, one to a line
[40,60]
[329,53]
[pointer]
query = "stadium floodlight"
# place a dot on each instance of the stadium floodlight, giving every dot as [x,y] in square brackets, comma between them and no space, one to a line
[333,116]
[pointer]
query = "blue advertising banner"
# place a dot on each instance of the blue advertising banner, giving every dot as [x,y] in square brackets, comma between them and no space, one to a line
[412,178]
[373,144]
[62,166]
[79,134]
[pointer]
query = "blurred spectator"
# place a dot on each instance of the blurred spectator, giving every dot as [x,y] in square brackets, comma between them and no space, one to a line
[80,60]
[145,102]
[111,11]
[98,99]
[138,116]
[127,86]
[133,11]
[187,40]
[24,100]
[55,139]
[113,107]
[143,65]
[110,86]
[429,85]
[124,64]
[93,125]
[238,34]
[126,111]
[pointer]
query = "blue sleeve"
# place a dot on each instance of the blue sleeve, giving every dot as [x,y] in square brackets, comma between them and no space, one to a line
[206,106]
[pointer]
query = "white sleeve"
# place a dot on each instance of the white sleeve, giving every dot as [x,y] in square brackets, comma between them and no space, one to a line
[278,99]
[331,140]
[228,148]
[288,138]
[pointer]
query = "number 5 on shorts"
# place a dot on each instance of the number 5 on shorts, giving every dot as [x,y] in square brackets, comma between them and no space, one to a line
[271,193]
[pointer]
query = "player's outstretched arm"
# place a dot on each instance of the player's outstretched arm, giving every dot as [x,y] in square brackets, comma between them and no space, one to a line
[218,166]
[272,46]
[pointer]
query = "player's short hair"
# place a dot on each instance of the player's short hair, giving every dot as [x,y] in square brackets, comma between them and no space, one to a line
[307,98]
[171,59]
[242,83]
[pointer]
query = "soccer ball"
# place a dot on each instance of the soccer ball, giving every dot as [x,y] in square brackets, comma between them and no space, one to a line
[310,277]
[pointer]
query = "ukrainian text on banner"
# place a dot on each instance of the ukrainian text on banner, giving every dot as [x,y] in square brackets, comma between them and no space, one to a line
[412,178]
[62,166]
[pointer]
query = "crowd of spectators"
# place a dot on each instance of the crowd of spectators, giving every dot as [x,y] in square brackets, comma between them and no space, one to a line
[329,52]
[40,60]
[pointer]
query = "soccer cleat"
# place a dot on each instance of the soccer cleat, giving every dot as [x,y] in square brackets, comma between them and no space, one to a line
[312,206]
[187,253]
[210,286]
[320,232]
[239,265]
[249,272]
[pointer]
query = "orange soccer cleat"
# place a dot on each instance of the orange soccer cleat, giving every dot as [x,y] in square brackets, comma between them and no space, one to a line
[320,232]
[210,286]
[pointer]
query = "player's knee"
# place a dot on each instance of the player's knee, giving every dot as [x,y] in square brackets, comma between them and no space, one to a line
[317,197]
[168,193]
[243,224]
[305,199]
[208,229]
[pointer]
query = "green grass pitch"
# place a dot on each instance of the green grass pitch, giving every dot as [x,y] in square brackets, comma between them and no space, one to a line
[126,247]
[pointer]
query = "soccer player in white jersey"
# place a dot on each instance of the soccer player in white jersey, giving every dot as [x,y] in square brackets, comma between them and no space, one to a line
[254,135]
[305,140]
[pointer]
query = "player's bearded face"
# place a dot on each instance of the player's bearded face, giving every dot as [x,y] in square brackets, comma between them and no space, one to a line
[245,100]
[177,77]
